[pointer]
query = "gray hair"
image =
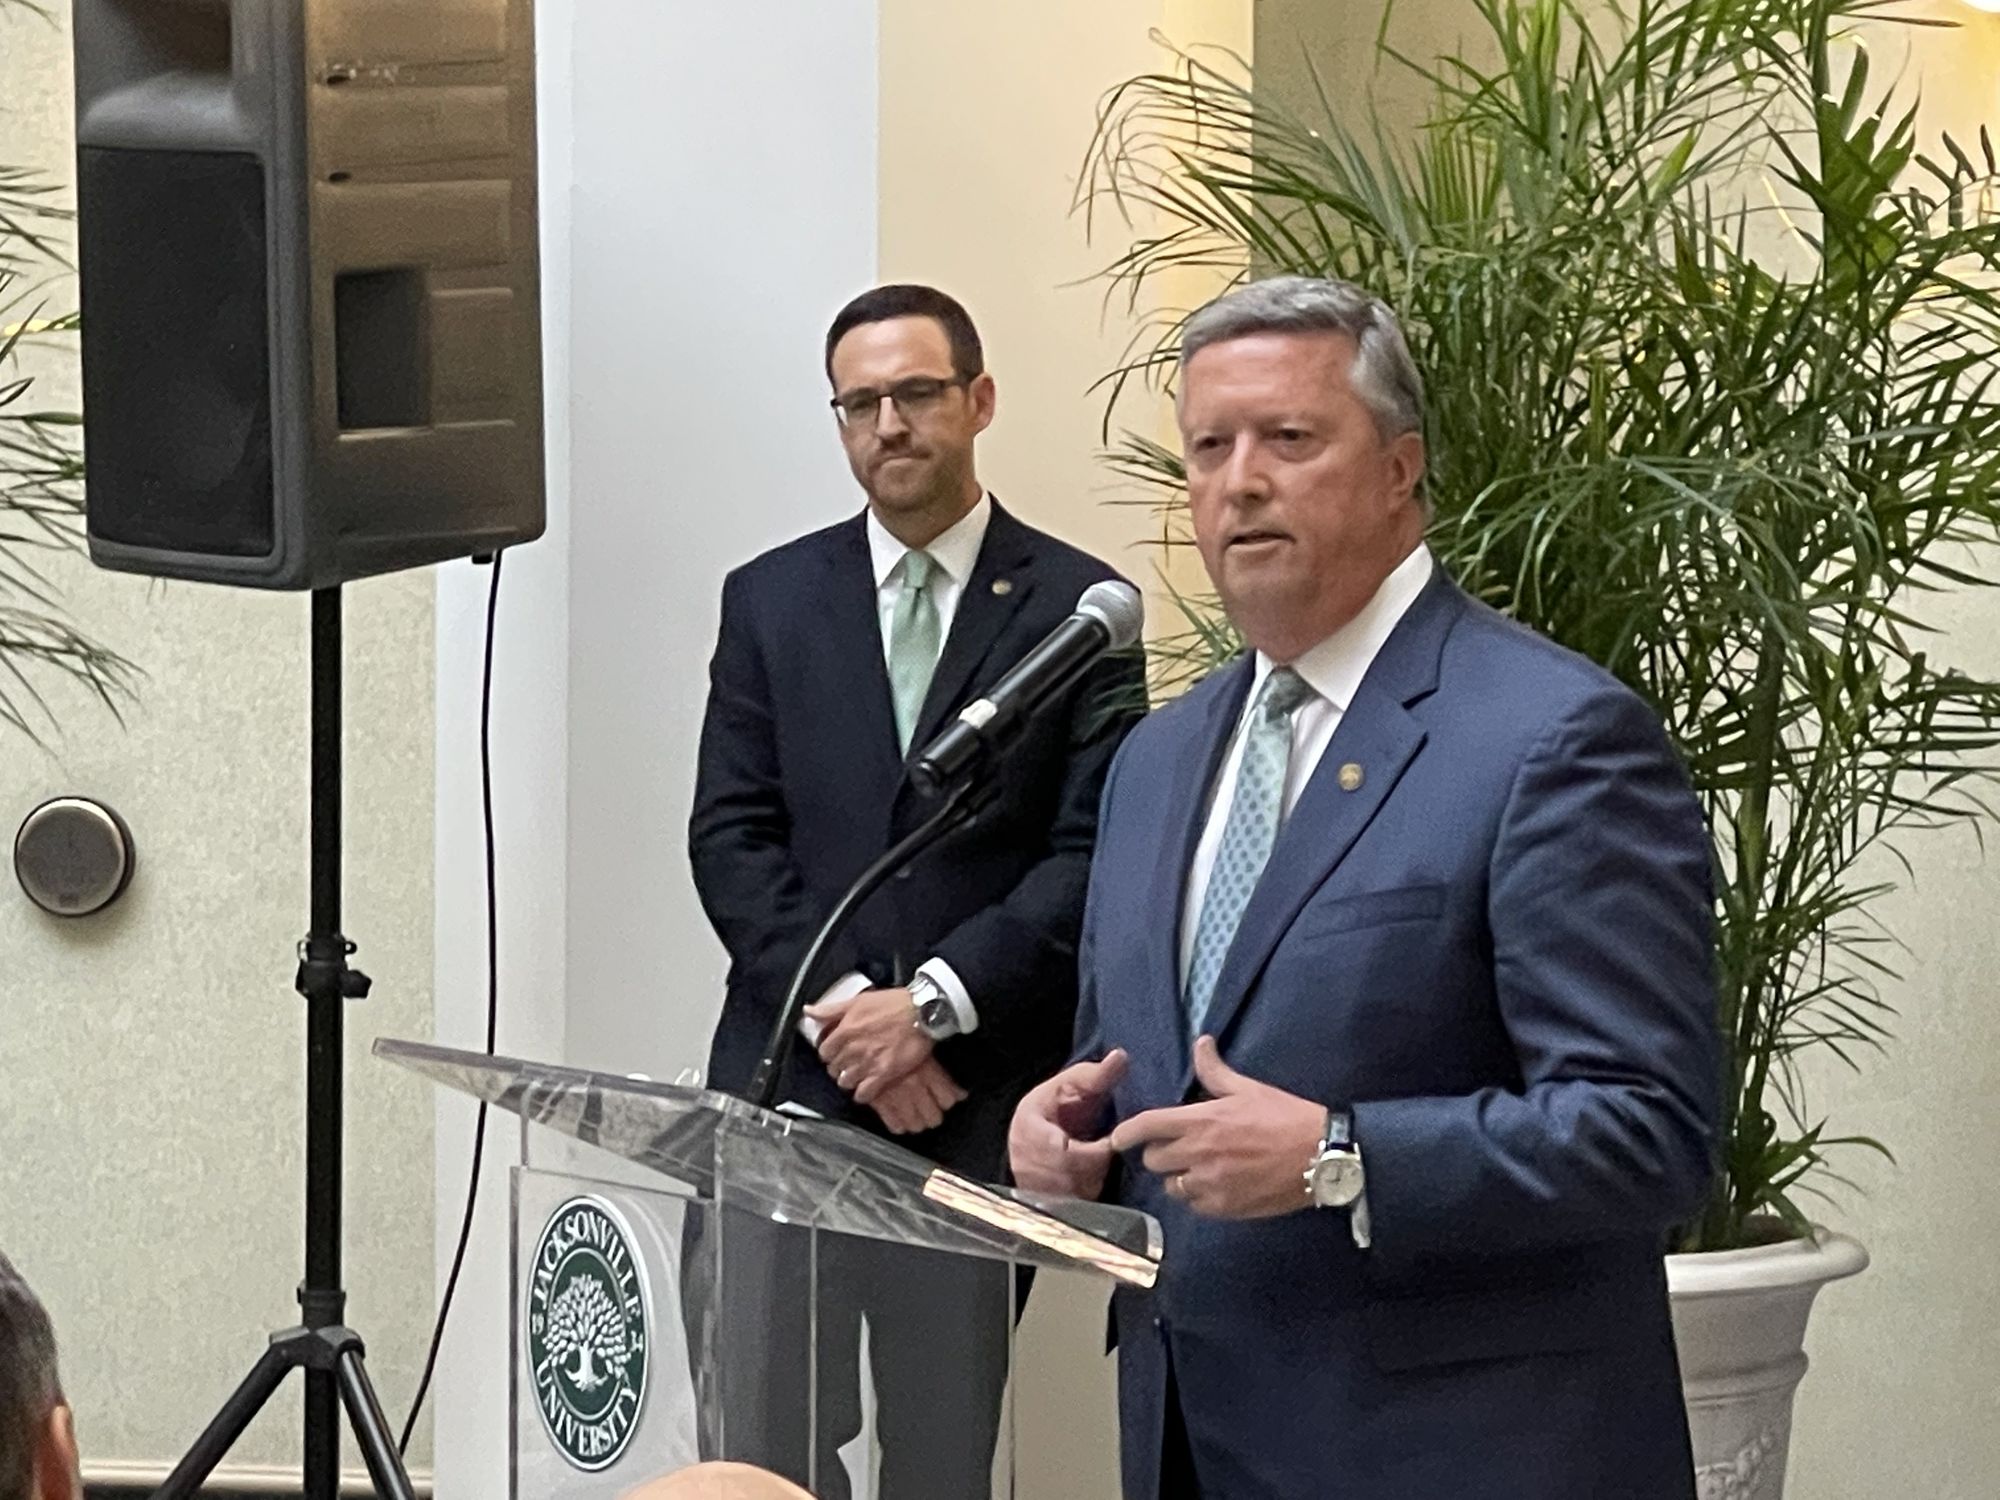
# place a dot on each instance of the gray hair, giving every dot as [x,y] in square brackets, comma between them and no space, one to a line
[1384,375]
[29,1387]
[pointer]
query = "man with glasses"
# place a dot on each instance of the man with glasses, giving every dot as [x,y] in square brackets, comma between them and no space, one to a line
[37,1436]
[840,654]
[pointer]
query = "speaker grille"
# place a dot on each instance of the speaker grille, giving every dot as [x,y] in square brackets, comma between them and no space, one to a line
[176,351]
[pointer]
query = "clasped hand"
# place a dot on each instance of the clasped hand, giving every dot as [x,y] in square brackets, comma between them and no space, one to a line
[871,1045]
[1241,1153]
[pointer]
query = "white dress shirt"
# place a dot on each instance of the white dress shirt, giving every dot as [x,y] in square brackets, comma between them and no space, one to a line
[1333,670]
[954,551]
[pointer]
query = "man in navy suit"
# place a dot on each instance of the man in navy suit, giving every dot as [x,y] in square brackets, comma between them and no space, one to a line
[954,988]
[1398,1008]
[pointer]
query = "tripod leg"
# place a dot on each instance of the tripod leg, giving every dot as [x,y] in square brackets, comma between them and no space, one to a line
[227,1425]
[322,1445]
[371,1430]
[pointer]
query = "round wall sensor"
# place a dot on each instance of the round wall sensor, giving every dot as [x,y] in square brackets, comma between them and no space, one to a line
[73,856]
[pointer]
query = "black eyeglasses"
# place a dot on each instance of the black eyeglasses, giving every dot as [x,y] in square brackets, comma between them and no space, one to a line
[913,398]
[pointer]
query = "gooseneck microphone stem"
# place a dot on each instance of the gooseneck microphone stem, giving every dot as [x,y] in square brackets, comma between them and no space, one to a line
[958,808]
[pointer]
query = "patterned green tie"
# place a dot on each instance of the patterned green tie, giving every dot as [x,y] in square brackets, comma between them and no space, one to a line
[1255,812]
[913,644]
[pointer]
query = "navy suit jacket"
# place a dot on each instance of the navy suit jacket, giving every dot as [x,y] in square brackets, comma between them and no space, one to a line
[800,786]
[1496,950]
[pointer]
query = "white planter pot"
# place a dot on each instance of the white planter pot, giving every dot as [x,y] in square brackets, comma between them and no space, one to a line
[1740,1322]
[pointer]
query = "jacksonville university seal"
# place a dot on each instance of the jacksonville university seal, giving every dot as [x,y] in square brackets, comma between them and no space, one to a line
[590,1326]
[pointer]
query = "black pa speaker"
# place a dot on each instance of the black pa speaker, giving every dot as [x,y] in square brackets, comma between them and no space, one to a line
[309,285]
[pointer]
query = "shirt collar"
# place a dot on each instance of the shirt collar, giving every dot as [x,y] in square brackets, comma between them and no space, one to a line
[1334,668]
[955,550]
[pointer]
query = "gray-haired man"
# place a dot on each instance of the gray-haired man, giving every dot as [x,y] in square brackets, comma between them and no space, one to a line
[37,1436]
[1396,1004]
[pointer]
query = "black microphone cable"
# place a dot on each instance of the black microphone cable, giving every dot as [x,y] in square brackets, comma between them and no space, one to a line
[492,1005]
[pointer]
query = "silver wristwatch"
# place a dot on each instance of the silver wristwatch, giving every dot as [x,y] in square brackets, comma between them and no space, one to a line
[1335,1178]
[936,1018]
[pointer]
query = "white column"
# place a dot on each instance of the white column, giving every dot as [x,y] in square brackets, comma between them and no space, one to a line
[708,202]
[530,736]
[724,209]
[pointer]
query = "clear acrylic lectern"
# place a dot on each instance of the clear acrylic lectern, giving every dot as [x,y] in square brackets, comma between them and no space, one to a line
[697,1278]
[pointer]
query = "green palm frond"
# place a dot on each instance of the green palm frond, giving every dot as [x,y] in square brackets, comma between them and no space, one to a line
[41,468]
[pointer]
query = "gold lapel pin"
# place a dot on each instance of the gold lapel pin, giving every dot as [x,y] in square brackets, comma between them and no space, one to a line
[1350,777]
[1003,586]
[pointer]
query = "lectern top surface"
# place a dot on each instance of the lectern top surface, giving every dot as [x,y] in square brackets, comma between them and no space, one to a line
[792,1169]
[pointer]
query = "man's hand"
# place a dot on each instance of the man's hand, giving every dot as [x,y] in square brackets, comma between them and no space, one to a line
[919,1100]
[870,1041]
[1240,1154]
[1046,1142]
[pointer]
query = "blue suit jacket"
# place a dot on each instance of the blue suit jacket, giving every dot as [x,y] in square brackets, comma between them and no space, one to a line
[1497,951]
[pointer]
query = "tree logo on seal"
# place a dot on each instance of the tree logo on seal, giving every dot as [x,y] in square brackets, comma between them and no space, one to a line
[590,1325]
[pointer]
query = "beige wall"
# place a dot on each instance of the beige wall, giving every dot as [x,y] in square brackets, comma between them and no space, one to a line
[1905,1387]
[986,115]
[984,125]
[151,1138]
[1306,46]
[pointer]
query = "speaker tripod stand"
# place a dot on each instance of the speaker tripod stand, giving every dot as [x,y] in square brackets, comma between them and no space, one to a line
[329,1352]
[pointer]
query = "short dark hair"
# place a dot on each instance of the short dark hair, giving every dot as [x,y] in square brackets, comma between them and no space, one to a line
[906,300]
[29,1388]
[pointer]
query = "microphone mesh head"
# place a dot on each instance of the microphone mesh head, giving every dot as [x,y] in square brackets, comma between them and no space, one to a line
[1118,605]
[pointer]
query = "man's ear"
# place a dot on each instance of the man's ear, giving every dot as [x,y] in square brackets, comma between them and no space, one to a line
[985,396]
[1407,463]
[58,1468]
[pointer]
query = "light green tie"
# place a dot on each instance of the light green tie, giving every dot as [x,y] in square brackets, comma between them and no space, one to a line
[913,644]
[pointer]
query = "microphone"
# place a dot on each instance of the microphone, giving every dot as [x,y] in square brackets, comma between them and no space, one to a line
[1108,618]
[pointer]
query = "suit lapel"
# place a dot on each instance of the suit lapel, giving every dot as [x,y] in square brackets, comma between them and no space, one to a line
[1002,578]
[853,636]
[1377,735]
[1193,773]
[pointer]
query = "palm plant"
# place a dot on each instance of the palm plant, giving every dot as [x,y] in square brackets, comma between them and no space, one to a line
[41,471]
[1709,345]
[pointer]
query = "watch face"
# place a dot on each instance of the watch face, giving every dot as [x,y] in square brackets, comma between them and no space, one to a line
[1336,1179]
[935,1013]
